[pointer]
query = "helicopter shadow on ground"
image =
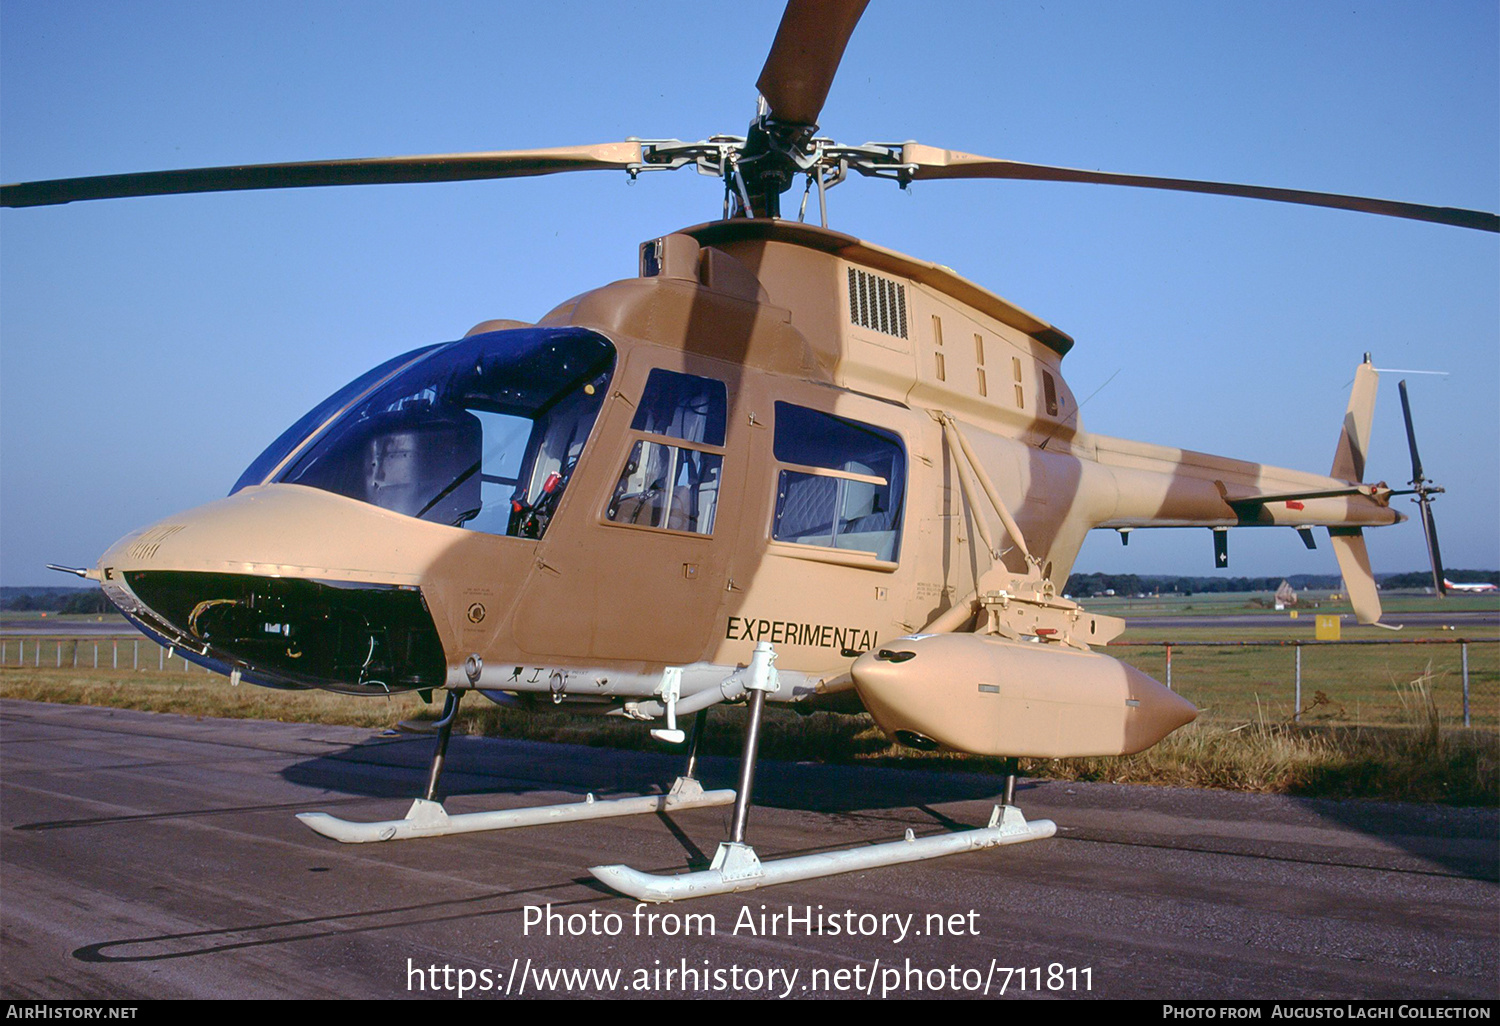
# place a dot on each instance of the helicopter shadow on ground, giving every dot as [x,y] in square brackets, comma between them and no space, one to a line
[1448,840]
[1408,838]
[397,768]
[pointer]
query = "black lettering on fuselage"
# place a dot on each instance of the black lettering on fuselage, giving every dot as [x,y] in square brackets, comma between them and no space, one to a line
[809,635]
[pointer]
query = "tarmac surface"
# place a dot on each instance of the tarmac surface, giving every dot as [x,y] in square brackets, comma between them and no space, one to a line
[157,856]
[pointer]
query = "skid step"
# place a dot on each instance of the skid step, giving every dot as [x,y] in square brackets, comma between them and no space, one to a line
[430,819]
[737,868]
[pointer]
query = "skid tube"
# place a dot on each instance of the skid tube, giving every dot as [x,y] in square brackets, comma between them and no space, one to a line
[429,819]
[736,866]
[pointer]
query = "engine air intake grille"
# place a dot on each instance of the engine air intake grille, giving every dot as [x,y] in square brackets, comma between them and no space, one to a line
[877,303]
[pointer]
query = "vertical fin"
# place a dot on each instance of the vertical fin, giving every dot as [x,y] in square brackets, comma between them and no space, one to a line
[1354,564]
[1354,438]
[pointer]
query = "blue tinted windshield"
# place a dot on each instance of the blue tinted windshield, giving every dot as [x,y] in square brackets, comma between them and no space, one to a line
[313,419]
[483,433]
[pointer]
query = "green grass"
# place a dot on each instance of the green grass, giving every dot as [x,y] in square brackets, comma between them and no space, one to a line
[1377,721]
[1416,759]
[1341,684]
[201,694]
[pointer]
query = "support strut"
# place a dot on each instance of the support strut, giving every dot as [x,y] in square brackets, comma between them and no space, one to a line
[445,731]
[747,767]
[690,771]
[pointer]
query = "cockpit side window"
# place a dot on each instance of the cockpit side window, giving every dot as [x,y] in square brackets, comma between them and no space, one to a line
[841,485]
[673,486]
[484,434]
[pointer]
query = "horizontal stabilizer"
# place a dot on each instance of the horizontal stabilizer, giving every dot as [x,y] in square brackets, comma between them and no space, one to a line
[1354,564]
[1265,498]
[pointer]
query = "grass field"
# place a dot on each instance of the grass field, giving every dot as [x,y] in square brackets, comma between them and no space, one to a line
[1354,684]
[1376,721]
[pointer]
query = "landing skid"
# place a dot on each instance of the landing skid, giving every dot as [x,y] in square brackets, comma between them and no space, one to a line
[429,819]
[737,868]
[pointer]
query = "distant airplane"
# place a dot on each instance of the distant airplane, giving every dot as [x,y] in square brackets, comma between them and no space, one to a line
[1480,588]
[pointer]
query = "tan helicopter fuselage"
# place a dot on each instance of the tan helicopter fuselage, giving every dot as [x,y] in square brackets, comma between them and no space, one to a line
[784,315]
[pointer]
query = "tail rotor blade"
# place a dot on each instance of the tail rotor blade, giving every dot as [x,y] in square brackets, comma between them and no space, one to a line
[1411,437]
[1424,492]
[1429,525]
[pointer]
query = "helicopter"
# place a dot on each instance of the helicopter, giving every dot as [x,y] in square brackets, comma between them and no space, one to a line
[822,467]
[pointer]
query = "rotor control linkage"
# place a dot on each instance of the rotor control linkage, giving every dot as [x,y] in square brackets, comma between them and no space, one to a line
[737,867]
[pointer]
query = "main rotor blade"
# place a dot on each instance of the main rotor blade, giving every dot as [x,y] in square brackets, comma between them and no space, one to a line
[1411,437]
[805,55]
[932,162]
[448,167]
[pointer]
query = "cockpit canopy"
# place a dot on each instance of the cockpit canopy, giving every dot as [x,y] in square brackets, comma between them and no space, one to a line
[482,433]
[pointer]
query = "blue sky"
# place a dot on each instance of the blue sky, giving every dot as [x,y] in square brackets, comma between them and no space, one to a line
[150,348]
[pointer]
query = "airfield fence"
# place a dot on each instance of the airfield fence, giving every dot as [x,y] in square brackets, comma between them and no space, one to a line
[1375,681]
[91,653]
[1382,681]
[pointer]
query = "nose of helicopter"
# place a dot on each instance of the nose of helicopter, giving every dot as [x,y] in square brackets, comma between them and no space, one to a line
[291,586]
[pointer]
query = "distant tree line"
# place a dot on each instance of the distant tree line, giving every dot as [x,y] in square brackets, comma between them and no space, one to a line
[89,600]
[1091,585]
[1423,578]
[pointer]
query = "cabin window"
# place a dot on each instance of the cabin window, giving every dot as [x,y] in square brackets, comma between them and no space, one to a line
[1049,393]
[673,485]
[841,483]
